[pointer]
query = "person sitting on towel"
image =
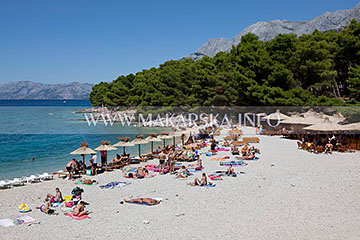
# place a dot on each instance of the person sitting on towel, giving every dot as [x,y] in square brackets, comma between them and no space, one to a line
[57,198]
[148,201]
[230,170]
[202,182]
[79,210]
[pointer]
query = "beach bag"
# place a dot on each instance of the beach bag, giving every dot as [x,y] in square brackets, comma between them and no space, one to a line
[69,204]
[77,191]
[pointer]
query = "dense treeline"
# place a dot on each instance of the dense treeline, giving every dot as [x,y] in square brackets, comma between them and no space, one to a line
[315,69]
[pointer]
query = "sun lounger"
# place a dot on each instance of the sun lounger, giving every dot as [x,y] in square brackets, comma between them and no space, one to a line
[5,184]
[46,176]
[33,179]
[16,182]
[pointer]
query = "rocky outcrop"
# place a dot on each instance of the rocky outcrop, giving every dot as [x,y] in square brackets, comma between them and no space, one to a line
[266,31]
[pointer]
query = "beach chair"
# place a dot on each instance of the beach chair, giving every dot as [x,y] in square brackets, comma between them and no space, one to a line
[16,182]
[5,184]
[46,176]
[300,145]
[33,179]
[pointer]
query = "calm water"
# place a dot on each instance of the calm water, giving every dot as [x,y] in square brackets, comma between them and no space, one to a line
[47,130]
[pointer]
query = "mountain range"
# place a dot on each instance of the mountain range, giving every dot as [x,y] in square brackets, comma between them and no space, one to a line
[33,90]
[266,31]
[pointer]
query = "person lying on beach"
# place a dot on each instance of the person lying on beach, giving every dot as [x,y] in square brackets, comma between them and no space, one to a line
[148,201]
[87,181]
[202,182]
[46,207]
[230,170]
[57,198]
[183,173]
[147,174]
[198,164]
[79,210]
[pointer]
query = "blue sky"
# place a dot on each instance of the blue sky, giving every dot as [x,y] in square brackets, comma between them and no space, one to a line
[91,41]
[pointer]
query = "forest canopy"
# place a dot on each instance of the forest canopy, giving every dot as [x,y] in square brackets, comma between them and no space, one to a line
[314,69]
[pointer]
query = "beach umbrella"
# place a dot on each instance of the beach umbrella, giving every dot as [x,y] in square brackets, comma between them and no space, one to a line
[277,115]
[235,132]
[83,150]
[353,127]
[105,146]
[124,144]
[164,136]
[138,141]
[152,138]
[326,126]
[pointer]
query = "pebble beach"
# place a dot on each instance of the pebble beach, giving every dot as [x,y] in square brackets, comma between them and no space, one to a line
[287,194]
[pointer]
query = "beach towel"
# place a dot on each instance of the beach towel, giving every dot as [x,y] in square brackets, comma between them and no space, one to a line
[76,217]
[114,185]
[233,163]
[66,210]
[222,150]
[23,219]
[78,182]
[206,153]
[6,222]
[130,169]
[209,185]
[247,159]
[218,159]
[56,204]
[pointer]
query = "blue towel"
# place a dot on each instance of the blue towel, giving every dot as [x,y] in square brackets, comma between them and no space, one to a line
[114,185]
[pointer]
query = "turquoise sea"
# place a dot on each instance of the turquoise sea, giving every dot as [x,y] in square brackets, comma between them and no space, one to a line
[48,131]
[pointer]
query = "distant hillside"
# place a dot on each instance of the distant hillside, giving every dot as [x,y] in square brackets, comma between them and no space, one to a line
[33,90]
[266,31]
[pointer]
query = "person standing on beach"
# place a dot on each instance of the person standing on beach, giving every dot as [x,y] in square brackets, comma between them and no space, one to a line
[70,167]
[162,158]
[103,157]
[93,161]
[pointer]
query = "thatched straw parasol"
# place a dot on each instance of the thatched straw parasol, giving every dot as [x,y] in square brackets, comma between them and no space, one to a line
[83,150]
[138,141]
[105,146]
[352,128]
[153,138]
[235,132]
[164,136]
[124,142]
[276,116]
[326,126]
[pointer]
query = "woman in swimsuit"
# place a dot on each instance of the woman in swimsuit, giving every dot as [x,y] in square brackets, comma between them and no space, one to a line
[202,182]
[148,201]
[45,208]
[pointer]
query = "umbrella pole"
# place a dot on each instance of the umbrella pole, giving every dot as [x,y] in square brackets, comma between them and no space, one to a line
[123,150]
[84,170]
[139,151]
[152,147]
[164,142]
[174,140]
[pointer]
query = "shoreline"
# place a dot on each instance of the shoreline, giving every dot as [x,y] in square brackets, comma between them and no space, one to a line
[286,194]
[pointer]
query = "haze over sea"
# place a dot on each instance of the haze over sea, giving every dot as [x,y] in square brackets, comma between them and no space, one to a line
[47,130]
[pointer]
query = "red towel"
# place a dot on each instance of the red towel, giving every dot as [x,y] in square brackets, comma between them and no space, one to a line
[76,217]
